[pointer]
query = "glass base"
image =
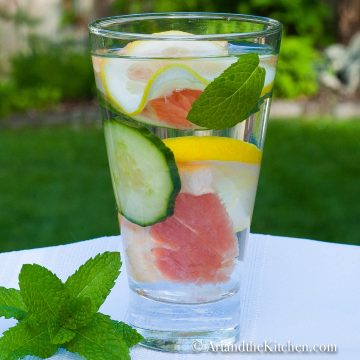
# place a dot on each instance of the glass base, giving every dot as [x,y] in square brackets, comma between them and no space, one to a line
[186,294]
[187,342]
[185,328]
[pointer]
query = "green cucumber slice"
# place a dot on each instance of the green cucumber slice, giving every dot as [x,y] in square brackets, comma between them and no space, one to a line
[144,174]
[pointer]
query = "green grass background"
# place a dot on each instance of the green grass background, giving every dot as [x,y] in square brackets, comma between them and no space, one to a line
[55,186]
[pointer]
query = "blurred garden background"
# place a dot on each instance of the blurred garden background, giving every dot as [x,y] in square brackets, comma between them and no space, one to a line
[54,180]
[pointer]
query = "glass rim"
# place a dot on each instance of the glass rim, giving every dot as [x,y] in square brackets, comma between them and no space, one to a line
[98,27]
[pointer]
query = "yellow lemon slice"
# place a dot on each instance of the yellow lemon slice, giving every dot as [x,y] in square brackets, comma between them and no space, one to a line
[198,148]
[268,62]
[148,71]
[130,95]
[175,47]
[267,89]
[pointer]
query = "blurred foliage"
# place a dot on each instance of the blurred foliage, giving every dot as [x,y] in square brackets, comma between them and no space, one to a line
[63,66]
[16,99]
[296,73]
[19,17]
[138,6]
[299,17]
[50,72]
[68,17]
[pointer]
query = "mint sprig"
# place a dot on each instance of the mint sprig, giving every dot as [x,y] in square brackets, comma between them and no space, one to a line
[231,97]
[53,315]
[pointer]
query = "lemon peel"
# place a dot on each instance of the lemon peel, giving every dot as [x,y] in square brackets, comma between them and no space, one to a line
[198,148]
[267,89]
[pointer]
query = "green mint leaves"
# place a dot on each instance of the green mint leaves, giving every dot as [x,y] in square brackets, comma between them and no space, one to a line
[11,304]
[232,96]
[43,293]
[55,315]
[94,279]
[26,339]
[100,340]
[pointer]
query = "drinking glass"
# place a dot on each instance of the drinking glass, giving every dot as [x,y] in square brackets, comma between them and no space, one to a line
[185,99]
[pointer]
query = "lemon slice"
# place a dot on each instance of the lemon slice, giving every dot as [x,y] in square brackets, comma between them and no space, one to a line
[268,62]
[146,70]
[197,148]
[176,47]
[236,186]
[267,89]
[130,96]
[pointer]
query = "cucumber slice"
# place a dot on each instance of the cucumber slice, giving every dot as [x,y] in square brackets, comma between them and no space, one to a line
[144,174]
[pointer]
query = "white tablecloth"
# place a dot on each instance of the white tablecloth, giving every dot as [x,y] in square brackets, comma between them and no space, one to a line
[297,290]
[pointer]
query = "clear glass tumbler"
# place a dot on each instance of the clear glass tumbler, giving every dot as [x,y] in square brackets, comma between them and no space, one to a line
[185,98]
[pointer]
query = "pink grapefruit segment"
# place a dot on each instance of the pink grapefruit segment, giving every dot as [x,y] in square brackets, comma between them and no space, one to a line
[197,243]
[172,110]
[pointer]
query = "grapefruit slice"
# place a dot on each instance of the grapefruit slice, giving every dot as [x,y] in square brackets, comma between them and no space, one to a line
[234,183]
[138,245]
[197,243]
[172,110]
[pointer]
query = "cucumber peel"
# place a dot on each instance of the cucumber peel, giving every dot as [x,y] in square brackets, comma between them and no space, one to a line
[144,174]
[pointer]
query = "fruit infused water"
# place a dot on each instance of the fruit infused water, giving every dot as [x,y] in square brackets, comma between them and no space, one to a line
[184,123]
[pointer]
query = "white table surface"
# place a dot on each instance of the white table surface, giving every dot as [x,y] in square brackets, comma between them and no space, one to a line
[297,290]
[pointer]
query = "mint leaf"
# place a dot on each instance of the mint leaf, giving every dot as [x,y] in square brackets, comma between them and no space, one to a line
[60,335]
[42,292]
[9,312]
[56,315]
[11,304]
[11,297]
[95,278]
[130,335]
[99,340]
[22,340]
[78,313]
[231,97]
